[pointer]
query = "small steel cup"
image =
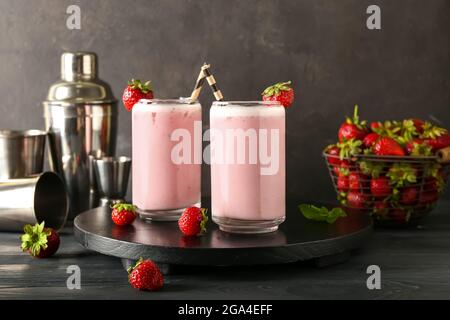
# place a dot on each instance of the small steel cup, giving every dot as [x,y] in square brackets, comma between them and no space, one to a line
[112,174]
[21,153]
[34,199]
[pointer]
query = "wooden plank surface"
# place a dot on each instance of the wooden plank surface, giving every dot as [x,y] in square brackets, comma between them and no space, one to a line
[414,263]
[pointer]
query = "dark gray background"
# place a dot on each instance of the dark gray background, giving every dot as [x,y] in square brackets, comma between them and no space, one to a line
[323,46]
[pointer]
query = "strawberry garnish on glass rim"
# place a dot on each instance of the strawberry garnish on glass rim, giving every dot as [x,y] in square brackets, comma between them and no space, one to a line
[135,91]
[281,92]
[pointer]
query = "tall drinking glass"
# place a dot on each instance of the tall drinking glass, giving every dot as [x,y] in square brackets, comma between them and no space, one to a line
[247,165]
[167,139]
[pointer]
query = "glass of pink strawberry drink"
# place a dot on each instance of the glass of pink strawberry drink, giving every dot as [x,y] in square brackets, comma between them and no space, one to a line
[166,142]
[247,165]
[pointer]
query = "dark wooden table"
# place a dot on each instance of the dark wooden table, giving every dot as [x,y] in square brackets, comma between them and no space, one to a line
[415,264]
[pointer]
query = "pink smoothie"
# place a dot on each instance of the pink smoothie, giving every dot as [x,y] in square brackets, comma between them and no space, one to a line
[158,182]
[243,189]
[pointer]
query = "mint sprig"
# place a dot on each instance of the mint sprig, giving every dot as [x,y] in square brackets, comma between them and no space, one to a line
[321,214]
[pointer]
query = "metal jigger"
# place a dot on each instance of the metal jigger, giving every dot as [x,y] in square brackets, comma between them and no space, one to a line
[112,174]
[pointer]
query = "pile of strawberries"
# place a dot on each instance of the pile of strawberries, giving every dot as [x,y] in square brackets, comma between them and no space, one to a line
[385,167]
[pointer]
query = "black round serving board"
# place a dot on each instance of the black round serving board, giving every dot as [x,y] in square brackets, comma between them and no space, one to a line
[297,239]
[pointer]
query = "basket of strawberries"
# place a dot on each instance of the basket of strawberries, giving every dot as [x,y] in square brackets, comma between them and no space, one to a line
[395,170]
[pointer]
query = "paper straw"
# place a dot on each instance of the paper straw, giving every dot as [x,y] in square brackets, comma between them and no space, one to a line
[199,84]
[205,74]
[212,83]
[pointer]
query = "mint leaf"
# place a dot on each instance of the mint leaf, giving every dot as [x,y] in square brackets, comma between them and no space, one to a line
[335,214]
[321,214]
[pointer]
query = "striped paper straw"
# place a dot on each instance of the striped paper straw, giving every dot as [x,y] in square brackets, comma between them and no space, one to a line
[199,84]
[212,83]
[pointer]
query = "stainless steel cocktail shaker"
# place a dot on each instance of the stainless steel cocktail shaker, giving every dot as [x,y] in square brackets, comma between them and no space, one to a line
[81,118]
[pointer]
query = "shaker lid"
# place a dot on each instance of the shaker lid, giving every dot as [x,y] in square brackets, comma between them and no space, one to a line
[79,82]
[78,65]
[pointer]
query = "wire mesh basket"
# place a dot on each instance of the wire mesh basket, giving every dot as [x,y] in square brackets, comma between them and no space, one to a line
[394,190]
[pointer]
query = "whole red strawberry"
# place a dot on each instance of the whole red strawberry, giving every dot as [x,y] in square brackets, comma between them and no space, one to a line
[431,184]
[145,275]
[418,124]
[376,125]
[428,197]
[135,91]
[380,206]
[370,139]
[39,241]
[281,92]
[193,221]
[332,152]
[123,214]
[356,199]
[342,183]
[356,181]
[352,128]
[399,215]
[409,196]
[439,142]
[343,169]
[418,147]
[380,187]
[386,146]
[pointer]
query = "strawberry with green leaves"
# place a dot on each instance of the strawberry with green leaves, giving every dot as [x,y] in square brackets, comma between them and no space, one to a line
[436,137]
[352,128]
[281,92]
[123,214]
[418,124]
[402,174]
[39,241]
[418,147]
[372,168]
[193,221]
[332,152]
[348,148]
[145,275]
[135,91]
